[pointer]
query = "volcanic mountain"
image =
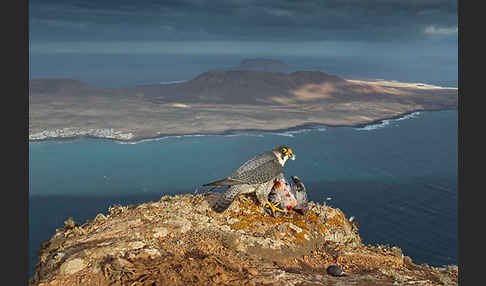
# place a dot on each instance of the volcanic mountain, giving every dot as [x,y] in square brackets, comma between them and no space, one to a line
[239,87]
[250,87]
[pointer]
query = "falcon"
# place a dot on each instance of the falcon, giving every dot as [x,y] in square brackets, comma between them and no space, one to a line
[255,175]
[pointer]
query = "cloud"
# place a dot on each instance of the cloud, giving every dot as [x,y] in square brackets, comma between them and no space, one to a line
[440,31]
[243,20]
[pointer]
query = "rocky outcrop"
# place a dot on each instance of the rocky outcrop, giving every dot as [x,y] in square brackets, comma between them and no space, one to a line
[179,240]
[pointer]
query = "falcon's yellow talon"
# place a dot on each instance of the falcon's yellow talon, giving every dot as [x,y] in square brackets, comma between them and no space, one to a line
[274,208]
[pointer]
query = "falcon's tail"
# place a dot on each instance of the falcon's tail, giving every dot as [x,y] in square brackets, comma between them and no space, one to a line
[225,200]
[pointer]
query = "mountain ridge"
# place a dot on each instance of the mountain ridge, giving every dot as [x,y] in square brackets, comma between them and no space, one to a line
[237,87]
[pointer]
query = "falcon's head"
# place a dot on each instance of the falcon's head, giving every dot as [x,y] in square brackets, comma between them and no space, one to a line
[285,153]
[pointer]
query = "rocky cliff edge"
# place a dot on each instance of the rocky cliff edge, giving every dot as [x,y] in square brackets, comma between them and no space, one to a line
[179,240]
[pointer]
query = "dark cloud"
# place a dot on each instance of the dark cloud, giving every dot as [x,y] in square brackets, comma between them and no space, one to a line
[130,42]
[263,20]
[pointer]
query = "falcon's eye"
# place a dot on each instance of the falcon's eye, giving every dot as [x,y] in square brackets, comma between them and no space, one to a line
[284,150]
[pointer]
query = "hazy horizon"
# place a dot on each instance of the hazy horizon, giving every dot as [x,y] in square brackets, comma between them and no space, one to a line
[122,44]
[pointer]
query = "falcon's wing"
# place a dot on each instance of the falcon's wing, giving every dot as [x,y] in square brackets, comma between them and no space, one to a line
[260,169]
[256,161]
[257,170]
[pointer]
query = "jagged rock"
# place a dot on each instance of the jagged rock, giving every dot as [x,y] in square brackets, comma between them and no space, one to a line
[160,232]
[179,240]
[72,266]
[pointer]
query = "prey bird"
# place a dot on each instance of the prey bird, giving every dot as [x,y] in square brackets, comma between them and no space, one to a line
[283,197]
[300,193]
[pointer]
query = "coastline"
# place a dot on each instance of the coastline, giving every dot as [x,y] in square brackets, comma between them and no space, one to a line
[305,125]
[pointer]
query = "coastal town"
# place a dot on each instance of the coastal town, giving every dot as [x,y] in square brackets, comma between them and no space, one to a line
[108,133]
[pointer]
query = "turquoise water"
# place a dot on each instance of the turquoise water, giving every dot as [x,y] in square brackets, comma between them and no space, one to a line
[398,178]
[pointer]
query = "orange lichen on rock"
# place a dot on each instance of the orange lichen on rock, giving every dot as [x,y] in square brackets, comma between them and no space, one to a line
[301,237]
[180,241]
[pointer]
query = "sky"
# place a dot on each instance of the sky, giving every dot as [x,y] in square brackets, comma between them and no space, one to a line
[124,43]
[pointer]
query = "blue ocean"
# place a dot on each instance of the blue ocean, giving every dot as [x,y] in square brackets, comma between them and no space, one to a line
[397,177]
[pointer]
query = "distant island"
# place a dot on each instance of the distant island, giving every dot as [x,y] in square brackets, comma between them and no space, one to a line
[267,65]
[248,97]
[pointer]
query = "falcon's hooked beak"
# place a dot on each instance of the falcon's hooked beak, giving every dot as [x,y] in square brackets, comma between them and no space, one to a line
[291,155]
